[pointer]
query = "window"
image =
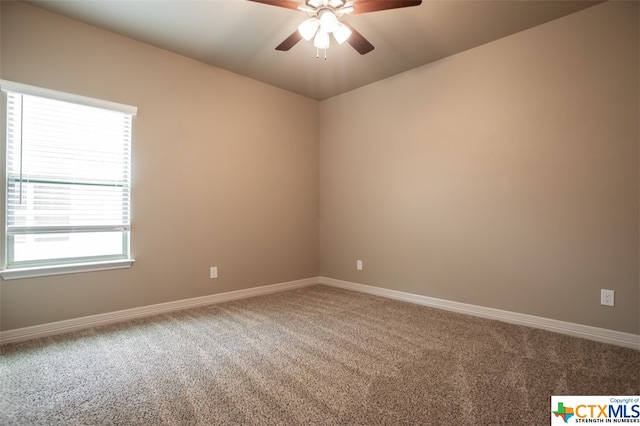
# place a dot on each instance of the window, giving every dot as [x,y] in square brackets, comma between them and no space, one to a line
[68,182]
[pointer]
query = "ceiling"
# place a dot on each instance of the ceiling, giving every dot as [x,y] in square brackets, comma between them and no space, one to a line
[241,36]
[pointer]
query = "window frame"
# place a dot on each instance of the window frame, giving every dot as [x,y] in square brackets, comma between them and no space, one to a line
[38,268]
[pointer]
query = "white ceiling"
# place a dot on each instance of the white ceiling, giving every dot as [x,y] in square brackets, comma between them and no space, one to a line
[240,36]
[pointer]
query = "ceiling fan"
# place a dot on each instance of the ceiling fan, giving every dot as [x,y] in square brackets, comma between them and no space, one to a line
[325,19]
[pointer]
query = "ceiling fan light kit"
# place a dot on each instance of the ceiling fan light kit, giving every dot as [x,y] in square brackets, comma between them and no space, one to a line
[324,19]
[328,20]
[319,28]
[321,40]
[308,28]
[341,33]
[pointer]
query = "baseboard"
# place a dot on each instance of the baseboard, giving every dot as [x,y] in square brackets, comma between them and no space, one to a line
[587,332]
[66,326]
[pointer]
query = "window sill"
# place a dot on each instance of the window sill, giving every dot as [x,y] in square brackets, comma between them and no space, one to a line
[44,271]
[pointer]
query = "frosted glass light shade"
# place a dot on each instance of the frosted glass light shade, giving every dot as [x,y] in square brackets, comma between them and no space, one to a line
[322,40]
[328,21]
[308,28]
[341,33]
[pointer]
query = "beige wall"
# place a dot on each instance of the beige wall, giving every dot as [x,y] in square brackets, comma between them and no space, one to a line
[225,171]
[505,176]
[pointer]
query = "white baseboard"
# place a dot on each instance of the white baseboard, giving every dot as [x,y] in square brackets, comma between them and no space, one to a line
[59,327]
[587,332]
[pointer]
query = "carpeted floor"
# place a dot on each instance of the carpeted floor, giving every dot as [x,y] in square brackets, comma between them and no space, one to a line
[316,355]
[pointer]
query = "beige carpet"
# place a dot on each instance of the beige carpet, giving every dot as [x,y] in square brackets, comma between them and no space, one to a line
[316,355]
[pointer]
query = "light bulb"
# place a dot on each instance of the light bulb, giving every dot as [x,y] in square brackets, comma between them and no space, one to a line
[308,28]
[328,21]
[322,40]
[341,33]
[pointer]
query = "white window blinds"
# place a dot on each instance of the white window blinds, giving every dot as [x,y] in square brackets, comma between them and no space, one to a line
[68,180]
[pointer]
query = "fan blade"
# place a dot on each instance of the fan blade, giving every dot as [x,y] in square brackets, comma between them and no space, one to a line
[289,4]
[290,41]
[366,6]
[357,41]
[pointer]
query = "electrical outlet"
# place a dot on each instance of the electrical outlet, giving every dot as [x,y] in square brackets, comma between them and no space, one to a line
[606,297]
[213,272]
[359,265]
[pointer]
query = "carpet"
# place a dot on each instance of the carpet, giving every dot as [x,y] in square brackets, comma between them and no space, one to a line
[315,355]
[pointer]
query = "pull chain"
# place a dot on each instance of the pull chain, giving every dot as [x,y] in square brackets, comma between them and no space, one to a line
[318,54]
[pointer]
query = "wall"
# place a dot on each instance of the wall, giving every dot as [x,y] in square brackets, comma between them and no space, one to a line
[505,176]
[225,171]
